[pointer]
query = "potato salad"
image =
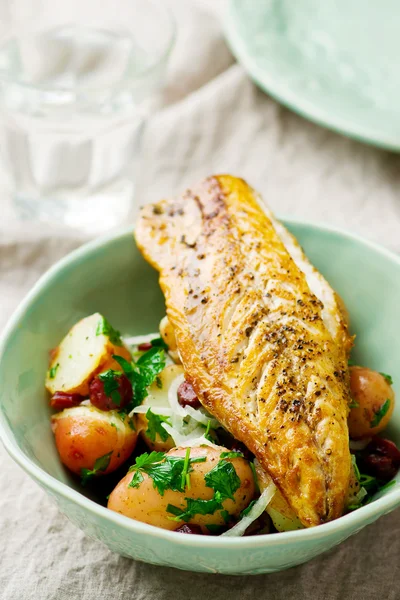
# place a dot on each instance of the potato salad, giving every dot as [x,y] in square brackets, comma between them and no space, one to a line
[124,413]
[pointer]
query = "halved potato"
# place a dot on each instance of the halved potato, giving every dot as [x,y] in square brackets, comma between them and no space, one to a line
[86,350]
[158,396]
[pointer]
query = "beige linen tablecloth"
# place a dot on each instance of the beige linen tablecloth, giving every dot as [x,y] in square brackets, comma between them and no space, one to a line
[213,120]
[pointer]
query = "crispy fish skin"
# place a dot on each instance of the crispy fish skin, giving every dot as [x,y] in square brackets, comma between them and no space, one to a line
[252,339]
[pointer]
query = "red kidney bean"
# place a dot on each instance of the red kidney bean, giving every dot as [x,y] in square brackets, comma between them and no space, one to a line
[100,399]
[186,528]
[61,400]
[187,396]
[381,459]
[145,346]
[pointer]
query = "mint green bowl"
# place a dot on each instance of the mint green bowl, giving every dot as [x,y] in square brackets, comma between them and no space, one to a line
[110,276]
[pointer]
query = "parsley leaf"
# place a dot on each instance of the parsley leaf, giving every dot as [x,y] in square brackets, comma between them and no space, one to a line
[147,459]
[380,413]
[223,479]
[111,385]
[136,480]
[225,515]
[231,454]
[100,465]
[247,509]
[104,328]
[154,426]
[388,378]
[353,404]
[159,382]
[53,371]
[195,507]
[142,373]
[165,471]
[159,343]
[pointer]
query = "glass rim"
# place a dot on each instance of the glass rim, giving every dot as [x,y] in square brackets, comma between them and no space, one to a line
[121,82]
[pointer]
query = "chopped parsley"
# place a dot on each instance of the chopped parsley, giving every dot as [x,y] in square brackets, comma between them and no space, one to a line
[142,373]
[154,426]
[223,479]
[195,507]
[159,382]
[111,385]
[231,454]
[104,328]
[380,413]
[136,480]
[226,516]
[207,432]
[53,371]
[388,378]
[248,509]
[371,485]
[167,472]
[100,465]
[353,404]
[159,343]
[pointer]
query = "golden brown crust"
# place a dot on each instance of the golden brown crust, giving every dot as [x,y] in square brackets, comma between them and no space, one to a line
[252,339]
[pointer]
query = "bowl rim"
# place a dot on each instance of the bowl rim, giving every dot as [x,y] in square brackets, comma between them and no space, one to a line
[346,523]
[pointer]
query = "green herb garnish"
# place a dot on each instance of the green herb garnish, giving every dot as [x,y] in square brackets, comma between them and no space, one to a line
[155,427]
[380,413]
[159,382]
[353,404]
[53,371]
[159,343]
[100,465]
[223,479]
[195,507]
[104,328]
[136,480]
[248,509]
[142,373]
[225,515]
[165,471]
[231,454]
[388,378]
[111,385]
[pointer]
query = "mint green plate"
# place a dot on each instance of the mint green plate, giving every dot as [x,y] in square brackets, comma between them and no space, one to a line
[334,63]
[110,276]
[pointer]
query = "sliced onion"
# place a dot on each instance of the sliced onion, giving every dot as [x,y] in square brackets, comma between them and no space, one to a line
[173,396]
[135,340]
[361,495]
[359,444]
[156,410]
[257,509]
[195,438]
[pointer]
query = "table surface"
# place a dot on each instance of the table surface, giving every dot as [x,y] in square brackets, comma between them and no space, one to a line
[212,119]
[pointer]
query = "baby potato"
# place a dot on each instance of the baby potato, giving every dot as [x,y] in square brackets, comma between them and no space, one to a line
[84,434]
[158,396]
[145,503]
[375,398]
[86,350]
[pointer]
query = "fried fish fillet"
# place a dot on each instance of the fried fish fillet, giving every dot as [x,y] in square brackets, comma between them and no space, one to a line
[252,339]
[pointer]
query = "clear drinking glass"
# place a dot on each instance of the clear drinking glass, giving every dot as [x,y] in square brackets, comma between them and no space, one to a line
[76,82]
